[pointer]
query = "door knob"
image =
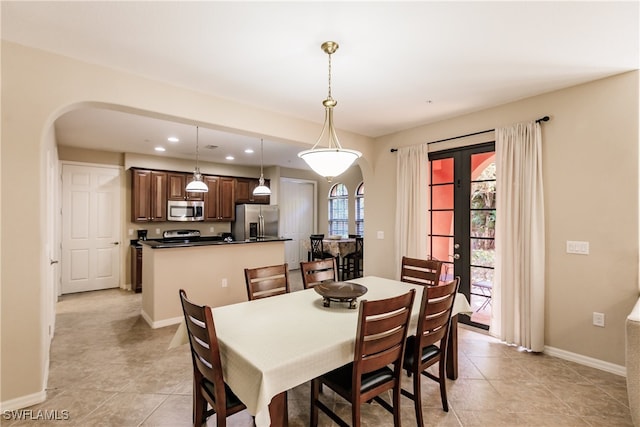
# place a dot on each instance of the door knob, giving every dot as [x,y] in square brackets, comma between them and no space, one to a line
[456,256]
[53,261]
[456,246]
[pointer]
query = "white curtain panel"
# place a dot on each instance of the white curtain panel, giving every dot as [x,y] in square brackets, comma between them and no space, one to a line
[412,203]
[518,289]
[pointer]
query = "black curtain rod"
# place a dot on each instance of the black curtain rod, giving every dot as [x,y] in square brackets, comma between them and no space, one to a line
[542,119]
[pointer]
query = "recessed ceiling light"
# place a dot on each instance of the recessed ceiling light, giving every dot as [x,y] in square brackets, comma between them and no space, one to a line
[160,149]
[248,151]
[230,158]
[173,139]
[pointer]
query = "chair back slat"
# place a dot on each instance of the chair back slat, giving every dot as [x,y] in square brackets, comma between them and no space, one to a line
[374,361]
[381,342]
[420,271]
[385,324]
[268,281]
[439,305]
[314,272]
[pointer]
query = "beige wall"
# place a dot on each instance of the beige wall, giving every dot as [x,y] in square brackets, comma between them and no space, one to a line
[590,155]
[594,127]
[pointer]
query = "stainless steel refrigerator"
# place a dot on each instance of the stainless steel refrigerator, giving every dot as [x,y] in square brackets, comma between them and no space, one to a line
[256,222]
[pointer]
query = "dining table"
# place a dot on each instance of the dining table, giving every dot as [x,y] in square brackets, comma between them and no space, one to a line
[271,345]
[336,247]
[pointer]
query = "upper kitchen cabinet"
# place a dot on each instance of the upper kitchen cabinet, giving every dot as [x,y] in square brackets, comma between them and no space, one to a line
[219,202]
[177,182]
[148,195]
[244,191]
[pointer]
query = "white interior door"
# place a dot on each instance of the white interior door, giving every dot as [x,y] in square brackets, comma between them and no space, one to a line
[90,228]
[297,218]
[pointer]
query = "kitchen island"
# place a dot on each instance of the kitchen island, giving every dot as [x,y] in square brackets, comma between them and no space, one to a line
[211,272]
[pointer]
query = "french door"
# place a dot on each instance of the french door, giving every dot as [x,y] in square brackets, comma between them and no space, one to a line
[462,190]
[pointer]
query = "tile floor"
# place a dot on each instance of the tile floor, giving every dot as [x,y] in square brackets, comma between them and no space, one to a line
[108,368]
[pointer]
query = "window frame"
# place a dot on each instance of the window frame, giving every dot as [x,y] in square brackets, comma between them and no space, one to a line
[338,210]
[359,209]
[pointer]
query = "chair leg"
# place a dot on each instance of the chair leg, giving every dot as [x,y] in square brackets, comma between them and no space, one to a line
[396,405]
[315,391]
[221,420]
[199,405]
[443,384]
[355,412]
[417,398]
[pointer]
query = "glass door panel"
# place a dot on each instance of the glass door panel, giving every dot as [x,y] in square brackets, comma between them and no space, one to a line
[463,222]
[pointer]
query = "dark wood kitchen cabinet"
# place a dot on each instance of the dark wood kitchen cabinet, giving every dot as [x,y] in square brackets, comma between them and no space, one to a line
[244,191]
[148,195]
[219,203]
[176,187]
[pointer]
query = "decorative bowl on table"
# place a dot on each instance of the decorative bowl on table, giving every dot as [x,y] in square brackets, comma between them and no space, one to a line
[340,292]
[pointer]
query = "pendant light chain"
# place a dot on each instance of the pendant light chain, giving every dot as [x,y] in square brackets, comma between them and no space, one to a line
[330,77]
[261,157]
[197,144]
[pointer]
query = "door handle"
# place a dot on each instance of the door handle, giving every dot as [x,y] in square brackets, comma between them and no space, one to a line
[115,243]
[456,246]
[53,261]
[456,256]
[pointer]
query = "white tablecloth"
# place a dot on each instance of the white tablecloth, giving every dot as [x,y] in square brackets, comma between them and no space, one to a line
[274,344]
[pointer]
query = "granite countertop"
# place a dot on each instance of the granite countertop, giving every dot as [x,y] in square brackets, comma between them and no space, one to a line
[204,241]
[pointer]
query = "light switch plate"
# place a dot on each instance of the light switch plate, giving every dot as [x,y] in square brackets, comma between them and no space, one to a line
[598,319]
[577,247]
[380,235]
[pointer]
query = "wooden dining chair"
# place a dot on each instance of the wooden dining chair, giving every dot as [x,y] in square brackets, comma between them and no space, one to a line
[352,262]
[268,281]
[209,387]
[420,271]
[317,248]
[429,345]
[380,343]
[314,272]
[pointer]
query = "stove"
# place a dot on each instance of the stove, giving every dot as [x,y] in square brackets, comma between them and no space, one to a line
[181,236]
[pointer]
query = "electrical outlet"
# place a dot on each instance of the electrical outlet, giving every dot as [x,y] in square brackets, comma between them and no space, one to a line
[598,319]
[380,235]
[157,231]
[211,229]
[224,283]
[131,232]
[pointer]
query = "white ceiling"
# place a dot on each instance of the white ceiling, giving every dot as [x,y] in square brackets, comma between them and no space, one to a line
[399,65]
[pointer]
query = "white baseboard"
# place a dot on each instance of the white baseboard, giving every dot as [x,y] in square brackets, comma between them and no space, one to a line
[161,323]
[23,401]
[585,360]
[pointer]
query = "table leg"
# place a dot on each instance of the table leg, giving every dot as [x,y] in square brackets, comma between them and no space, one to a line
[452,350]
[279,411]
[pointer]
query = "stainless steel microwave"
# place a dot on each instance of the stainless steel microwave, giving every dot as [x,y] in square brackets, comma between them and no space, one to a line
[185,210]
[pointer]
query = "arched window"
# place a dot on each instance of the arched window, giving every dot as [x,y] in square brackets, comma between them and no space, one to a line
[339,210]
[360,209]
